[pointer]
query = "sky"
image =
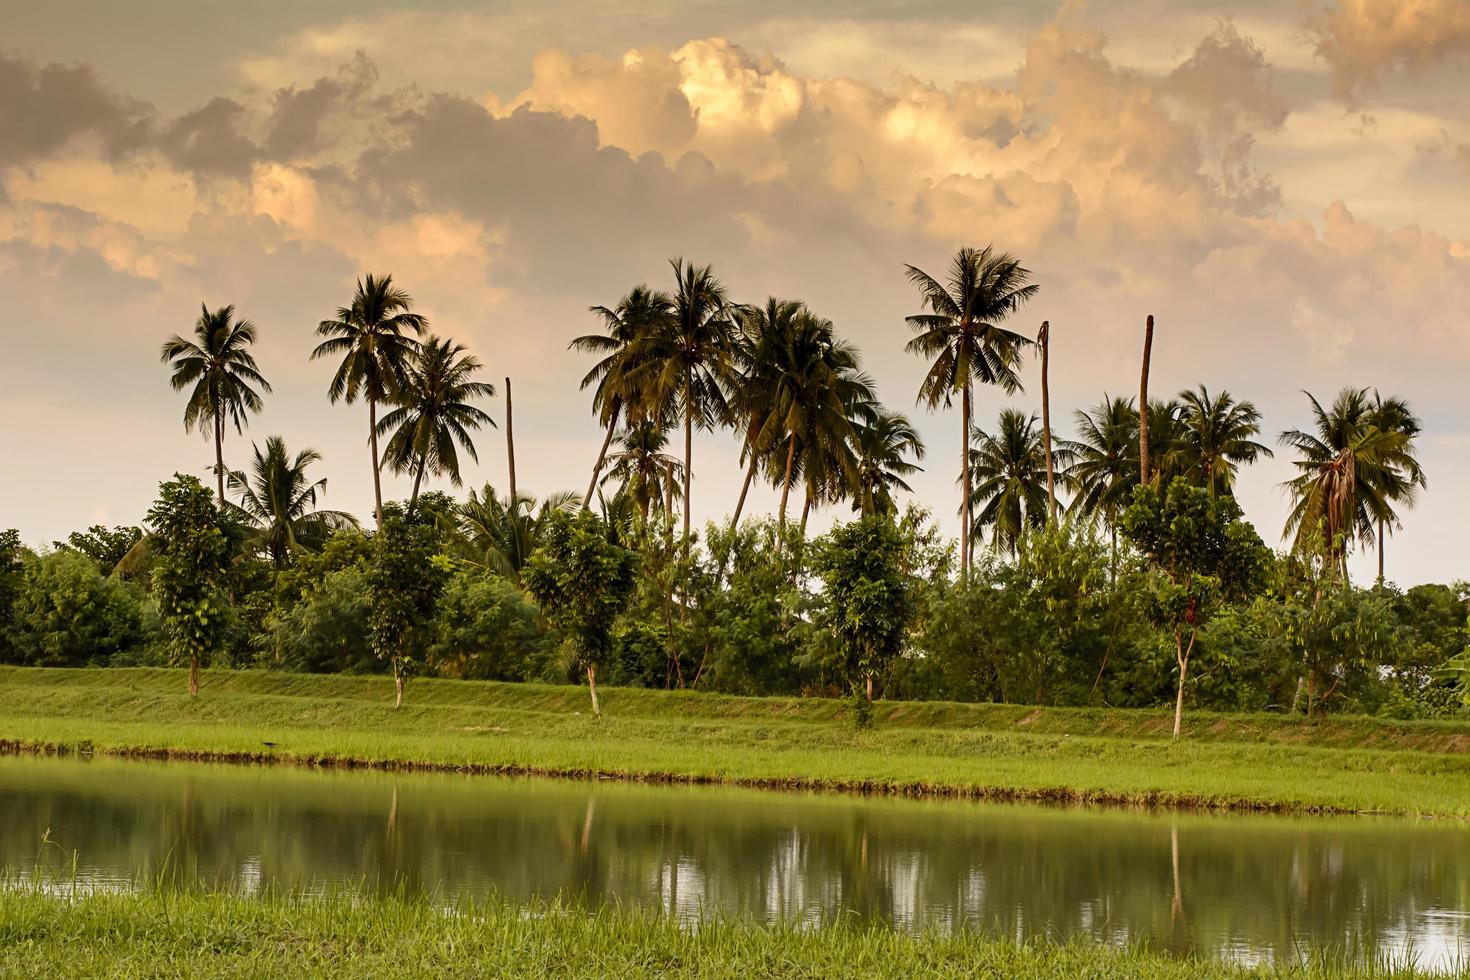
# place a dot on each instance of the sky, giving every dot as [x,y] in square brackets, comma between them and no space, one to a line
[1284,186]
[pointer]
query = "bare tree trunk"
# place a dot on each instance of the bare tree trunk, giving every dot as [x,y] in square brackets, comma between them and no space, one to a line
[219,454]
[786,480]
[870,688]
[965,530]
[1181,653]
[193,674]
[1380,552]
[1051,492]
[510,444]
[397,684]
[373,443]
[1148,347]
[602,453]
[592,686]
[744,489]
[688,459]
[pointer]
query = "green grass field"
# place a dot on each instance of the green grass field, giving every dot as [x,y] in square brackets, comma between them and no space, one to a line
[165,934]
[992,751]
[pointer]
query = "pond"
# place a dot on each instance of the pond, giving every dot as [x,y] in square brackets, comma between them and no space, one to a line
[1247,888]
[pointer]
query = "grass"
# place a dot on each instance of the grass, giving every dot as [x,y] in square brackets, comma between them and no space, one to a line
[164,934]
[990,751]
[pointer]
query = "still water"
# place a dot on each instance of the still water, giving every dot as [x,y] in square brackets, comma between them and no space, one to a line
[1248,888]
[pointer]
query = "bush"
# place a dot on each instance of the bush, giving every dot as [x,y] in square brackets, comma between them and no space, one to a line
[487,629]
[68,614]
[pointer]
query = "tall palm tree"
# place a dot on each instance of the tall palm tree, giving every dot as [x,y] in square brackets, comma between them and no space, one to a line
[641,468]
[1218,438]
[1104,462]
[752,397]
[434,413]
[1168,452]
[962,335]
[687,366]
[637,315]
[1394,415]
[884,446]
[372,338]
[1009,469]
[279,499]
[219,365]
[1350,472]
[501,534]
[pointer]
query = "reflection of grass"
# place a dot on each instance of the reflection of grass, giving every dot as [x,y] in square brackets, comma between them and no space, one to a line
[996,751]
[162,933]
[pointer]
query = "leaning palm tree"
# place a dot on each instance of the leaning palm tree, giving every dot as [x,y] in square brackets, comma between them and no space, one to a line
[1009,469]
[884,446]
[500,534]
[642,470]
[435,417]
[961,334]
[222,371]
[1104,462]
[686,366]
[642,312]
[1350,472]
[1218,438]
[371,337]
[279,500]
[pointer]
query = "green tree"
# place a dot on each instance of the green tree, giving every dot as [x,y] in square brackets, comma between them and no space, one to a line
[1218,437]
[642,469]
[1201,555]
[191,552]
[12,577]
[501,534]
[69,614]
[405,577]
[488,629]
[582,581]
[107,546]
[1104,463]
[223,375]
[962,337]
[434,413]
[1009,473]
[279,499]
[371,338]
[869,600]
[885,446]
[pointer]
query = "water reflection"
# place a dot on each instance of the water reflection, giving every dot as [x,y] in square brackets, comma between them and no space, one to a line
[1243,887]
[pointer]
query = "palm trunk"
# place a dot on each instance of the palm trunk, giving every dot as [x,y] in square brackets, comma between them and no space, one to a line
[219,454]
[592,686]
[744,489]
[688,458]
[373,443]
[786,480]
[1380,552]
[806,510]
[602,453]
[193,674]
[1051,492]
[965,494]
[1148,346]
[510,443]
[418,478]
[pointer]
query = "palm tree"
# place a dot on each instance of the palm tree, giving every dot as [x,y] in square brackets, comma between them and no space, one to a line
[1104,468]
[1350,472]
[883,446]
[500,534]
[1009,469]
[637,315]
[962,336]
[1394,415]
[1168,452]
[752,401]
[1218,438]
[686,365]
[371,338]
[279,499]
[219,365]
[434,413]
[642,468]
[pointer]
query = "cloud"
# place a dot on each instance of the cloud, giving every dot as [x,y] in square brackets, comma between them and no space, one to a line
[46,107]
[1363,40]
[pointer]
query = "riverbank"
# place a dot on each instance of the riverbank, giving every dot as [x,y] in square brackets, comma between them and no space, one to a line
[980,751]
[169,934]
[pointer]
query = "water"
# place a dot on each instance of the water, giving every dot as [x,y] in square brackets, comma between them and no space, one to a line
[1249,888]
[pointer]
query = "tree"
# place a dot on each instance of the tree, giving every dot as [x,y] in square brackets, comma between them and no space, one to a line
[1009,470]
[962,336]
[279,499]
[869,601]
[582,580]
[1145,471]
[1201,554]
[1350,472]
[12,579]
[686,365]
[1394,415]
[642,469]
[106,546]
[219,366]
[69,614]
[405,577]
[371,338]
[630,324]
[501,534]
[191,553]
[434,413]
[883,446]
[1104,466]
[1218,438]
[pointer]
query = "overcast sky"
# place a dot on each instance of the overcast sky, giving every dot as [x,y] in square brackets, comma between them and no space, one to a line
[1285,186]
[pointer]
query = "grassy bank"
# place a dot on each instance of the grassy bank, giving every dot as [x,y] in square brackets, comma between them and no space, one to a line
[210,935]
[1247,762]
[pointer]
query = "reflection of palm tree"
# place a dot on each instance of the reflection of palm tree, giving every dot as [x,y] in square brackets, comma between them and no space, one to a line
[279,499]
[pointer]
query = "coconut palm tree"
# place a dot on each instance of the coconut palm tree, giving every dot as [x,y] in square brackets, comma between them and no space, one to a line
[962,336]
[884,447]
[434,413]
[752,396]
[1168,451]
[278,499]
[499,534]
[372,338]
[1009,469]
[1218,438]
[686,366]
[642,470]
[1394,415]
[1104,463]
[1350,472]
[219,365]
[637,315]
